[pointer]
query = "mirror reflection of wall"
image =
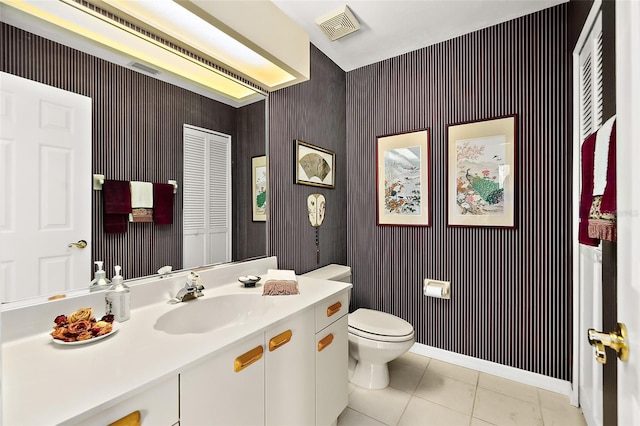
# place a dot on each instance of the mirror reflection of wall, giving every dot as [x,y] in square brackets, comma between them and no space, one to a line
[137,134]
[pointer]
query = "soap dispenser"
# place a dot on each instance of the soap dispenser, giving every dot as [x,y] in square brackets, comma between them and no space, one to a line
[100,281]
[118,298]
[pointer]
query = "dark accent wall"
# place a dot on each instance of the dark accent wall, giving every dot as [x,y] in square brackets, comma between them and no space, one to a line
[313,111]
[250,236]
[511,297]
[137,135]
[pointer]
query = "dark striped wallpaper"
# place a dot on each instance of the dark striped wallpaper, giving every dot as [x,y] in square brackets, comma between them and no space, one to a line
[137,135]
[313,111]
[511,289]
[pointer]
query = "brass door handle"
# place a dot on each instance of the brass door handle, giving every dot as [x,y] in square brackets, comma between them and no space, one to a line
[616,340]
[80,244]
[326,341]
[280,340]
[247,358]
[333,308]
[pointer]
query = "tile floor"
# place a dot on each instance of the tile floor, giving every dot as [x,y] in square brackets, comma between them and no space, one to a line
[425,391]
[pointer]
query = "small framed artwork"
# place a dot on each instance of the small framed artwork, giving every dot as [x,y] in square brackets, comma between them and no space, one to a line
[314,166]
[403,179]
[259,188]
[481,173]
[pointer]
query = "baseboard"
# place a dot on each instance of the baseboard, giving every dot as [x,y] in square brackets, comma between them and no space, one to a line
[504,371]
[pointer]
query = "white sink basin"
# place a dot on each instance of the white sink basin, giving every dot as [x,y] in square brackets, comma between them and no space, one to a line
[204,315]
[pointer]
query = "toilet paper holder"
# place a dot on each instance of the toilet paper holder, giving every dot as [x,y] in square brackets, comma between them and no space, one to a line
[437,289]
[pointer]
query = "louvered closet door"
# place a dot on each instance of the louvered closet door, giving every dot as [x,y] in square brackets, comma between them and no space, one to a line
[207,197]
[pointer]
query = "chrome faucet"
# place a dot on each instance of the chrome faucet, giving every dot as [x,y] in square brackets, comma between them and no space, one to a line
[192,288]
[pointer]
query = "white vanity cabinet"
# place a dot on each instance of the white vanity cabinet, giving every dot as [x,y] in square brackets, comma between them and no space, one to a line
[157,405]
[226,388]
[332,358]
[290,371]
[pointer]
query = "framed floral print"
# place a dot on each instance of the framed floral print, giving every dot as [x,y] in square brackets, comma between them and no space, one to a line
[481,172]
[259,188]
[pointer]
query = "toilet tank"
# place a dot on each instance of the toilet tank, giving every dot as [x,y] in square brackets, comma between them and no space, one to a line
[331,272]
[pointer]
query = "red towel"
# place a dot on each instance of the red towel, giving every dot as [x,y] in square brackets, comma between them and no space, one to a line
[163,203]
[116,196]
[586,195]
[609,198]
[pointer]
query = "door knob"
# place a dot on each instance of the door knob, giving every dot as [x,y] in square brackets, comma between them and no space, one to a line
[80,244]
[616,340]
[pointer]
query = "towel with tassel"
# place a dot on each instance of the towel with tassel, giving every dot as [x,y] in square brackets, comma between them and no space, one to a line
[598,197]
[602,216]
[117,205]
[280,282]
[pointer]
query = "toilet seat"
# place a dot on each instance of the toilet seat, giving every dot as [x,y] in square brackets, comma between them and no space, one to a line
[379,326]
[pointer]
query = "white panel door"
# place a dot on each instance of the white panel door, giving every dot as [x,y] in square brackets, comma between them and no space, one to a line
[628,154]
[45,189]
[588,95]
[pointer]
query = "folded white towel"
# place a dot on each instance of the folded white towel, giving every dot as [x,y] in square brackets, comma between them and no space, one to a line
[141,194]
[280,275]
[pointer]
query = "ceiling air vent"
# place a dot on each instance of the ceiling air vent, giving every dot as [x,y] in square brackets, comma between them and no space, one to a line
[144,68]
[338,23]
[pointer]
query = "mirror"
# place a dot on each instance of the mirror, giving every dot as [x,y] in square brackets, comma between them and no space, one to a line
[137,134]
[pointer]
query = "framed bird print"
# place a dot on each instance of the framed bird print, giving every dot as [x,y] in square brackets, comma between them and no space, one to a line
[314,166]
[403,170]
[481,173]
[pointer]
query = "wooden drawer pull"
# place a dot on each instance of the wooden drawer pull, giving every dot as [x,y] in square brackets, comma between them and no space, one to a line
[132,419]
[280,340]
[334,308]
[326,341]
[248,358]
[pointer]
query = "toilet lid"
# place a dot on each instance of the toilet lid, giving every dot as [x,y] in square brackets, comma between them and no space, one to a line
[369,323]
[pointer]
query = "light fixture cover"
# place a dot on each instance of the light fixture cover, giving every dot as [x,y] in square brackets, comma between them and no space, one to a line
[338,23]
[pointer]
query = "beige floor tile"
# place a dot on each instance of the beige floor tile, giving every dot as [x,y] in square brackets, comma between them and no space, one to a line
[505,410]
[416,360]
[453,371]
[420,412]
[385,405]
[509,388]
[351,417]
[404,377]
[478,422]
[446,391]
[563,416]
[556,410]
[552,399]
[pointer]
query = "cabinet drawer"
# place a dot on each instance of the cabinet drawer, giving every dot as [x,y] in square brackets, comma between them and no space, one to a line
[331,309]
[157,406]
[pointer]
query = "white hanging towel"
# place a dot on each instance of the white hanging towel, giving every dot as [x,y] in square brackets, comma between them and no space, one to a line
[141,194]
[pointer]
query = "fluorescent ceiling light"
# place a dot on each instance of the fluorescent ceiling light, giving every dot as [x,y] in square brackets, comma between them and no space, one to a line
[122,39]
[179,23]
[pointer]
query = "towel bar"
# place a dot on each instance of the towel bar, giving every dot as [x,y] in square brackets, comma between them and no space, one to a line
[98,181]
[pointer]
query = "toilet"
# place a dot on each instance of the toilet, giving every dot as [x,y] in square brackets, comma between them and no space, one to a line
[375,338]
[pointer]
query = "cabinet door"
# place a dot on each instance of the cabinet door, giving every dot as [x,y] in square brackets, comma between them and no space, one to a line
[157,406]
[290,366]
[332,359]
[226,388]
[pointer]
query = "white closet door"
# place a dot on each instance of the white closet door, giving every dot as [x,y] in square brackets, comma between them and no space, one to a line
[207,197]
[45,189]
[588,118]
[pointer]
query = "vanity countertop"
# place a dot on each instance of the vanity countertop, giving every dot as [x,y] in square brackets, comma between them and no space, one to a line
[47,383]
